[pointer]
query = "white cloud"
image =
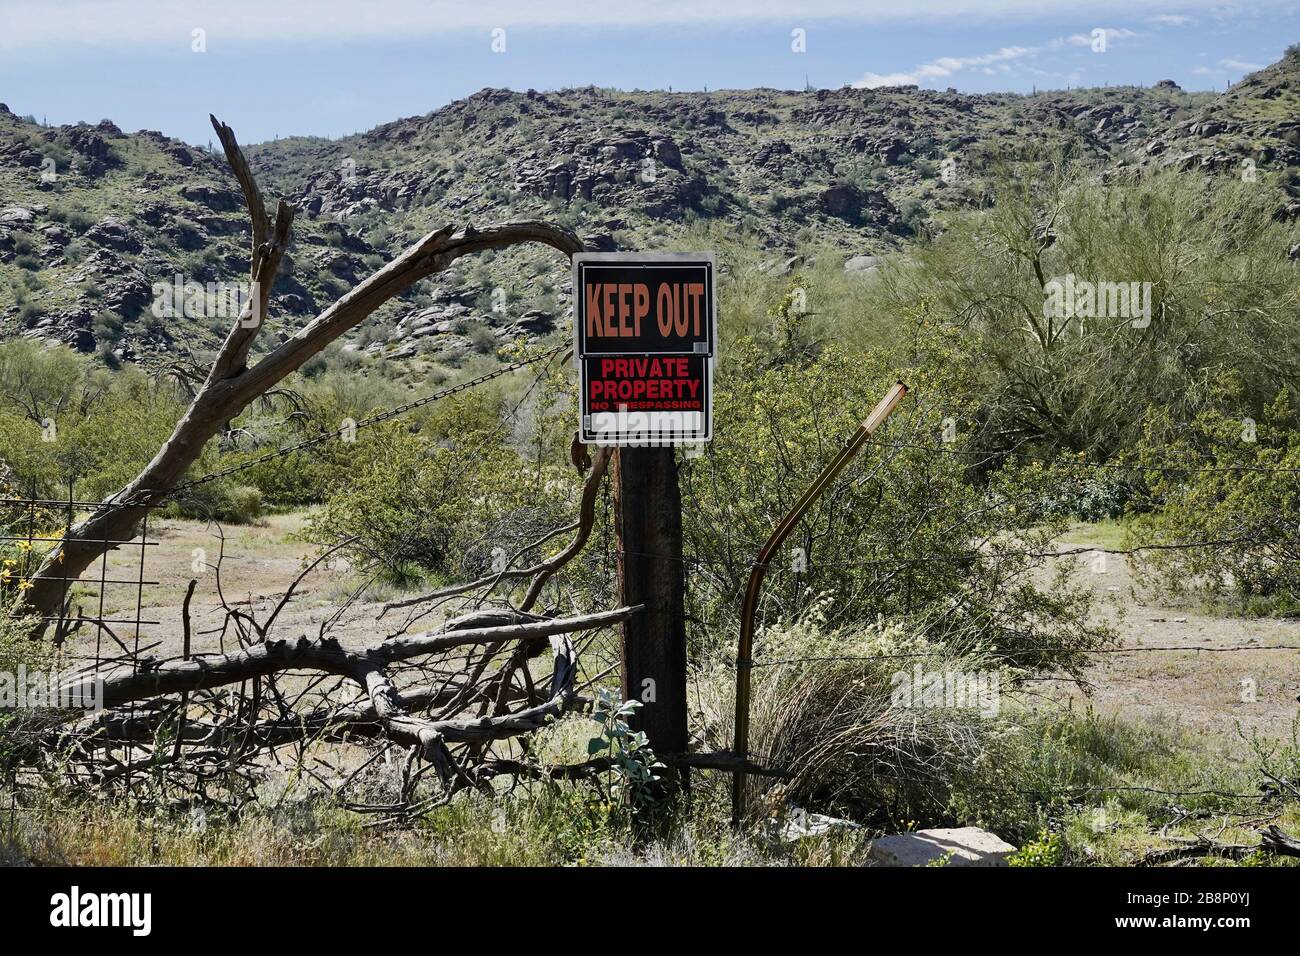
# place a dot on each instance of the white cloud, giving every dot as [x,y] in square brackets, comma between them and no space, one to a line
[870,81]
[944,66]
[1006,60]
[31,25]
[1171,20]
[1228,65]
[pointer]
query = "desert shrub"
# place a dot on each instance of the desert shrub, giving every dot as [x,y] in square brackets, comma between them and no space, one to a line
[909,533]
[444,500]
[299,478]
[29,313]
[1044,851]
[222,500]
[18,651]
[1230,514]
[64,419]
[75,219]
[108,327]
[75,251]
[16,647]
[1095,496]
[1222,293]
[481,339]
[829,710]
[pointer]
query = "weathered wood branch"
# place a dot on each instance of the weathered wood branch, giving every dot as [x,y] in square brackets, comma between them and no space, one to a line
[146,680]
[231,385]
[324,723]
[414,645]
[586,521]
[1275,840]
[432,736]
[1271,840]
[252,195]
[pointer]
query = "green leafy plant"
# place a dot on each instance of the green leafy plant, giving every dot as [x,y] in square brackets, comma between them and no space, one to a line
[1047,850]
[632,776]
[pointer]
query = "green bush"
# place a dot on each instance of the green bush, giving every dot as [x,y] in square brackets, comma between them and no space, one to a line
[442,501]
[218,501]
[1222,294]
[1224,499]
[907,534]
[1045,851]
[75,219]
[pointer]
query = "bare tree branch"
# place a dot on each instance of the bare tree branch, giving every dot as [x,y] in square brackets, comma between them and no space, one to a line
[231,385]
[145,679]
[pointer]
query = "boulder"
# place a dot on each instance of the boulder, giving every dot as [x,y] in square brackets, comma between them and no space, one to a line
[844,201]
[1287,211]
[534,322]
[600,242]
[863,264]
[16,217]
[112,233]
[213,197]
[56,234]
[965,846]
[667,152]
[892,153]
[785,267]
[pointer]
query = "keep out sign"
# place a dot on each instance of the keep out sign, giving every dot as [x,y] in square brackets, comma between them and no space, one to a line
[645,327]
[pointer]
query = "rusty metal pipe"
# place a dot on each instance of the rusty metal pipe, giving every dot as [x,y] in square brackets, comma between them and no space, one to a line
[748,611]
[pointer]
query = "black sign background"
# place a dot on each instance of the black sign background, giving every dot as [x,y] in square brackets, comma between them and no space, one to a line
[591,269]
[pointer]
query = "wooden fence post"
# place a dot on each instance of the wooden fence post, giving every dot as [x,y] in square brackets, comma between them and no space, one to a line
[648,524]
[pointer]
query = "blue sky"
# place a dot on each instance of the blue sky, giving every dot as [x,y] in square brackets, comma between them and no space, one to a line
[334,67]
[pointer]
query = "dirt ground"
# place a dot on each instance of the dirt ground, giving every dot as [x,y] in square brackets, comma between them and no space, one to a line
[1229,684]
[1228,695]
[257,564]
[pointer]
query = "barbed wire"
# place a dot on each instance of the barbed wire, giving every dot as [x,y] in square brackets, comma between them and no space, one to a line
[366,422]
[910,655]
[507,421]
[1117,466]
[1062,789]
[961,556]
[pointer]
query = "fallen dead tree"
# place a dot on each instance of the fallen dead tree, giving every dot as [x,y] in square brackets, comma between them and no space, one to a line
[446,696]
[399,716]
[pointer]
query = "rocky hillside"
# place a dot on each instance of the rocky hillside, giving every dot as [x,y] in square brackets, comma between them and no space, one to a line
[1253,127]
[92,219]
